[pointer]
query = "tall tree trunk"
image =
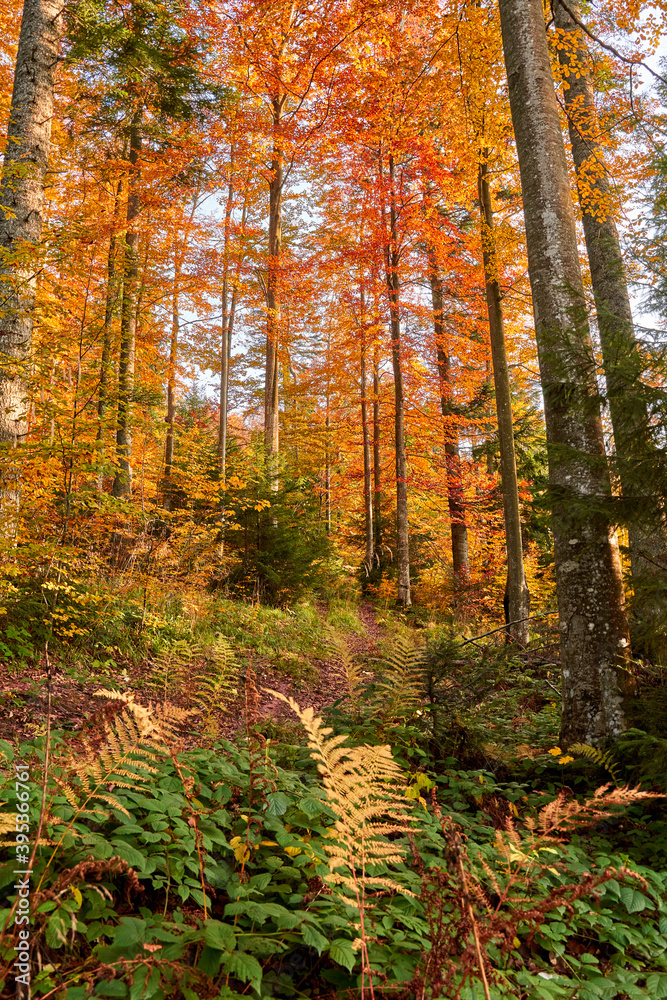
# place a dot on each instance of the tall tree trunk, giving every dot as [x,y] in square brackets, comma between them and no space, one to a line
[106,367]
[167,489]
[225,333]
[393,290]
[517,594]
[366,436]
[271,441]
[457,520]
[593,623]
[633,437]
[227,329]
[122,484]
[22,198]
[377,453]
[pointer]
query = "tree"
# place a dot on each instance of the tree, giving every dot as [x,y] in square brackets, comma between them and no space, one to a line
[634,441]
[21,203]
[593,624]
[517,595]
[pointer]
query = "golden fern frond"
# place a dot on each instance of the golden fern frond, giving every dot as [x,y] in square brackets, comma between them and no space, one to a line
[400,689]
[605,759]
[365,791]
[7,823]
[347,665]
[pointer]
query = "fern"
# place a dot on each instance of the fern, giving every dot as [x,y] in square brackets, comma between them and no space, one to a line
[364,791]
[400,689]
[203,674]
[603,759]
[348,666]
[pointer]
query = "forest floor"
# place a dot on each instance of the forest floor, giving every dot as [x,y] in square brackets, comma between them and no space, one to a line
[77,692]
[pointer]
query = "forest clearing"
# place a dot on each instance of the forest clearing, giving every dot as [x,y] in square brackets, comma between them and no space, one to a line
[333,486]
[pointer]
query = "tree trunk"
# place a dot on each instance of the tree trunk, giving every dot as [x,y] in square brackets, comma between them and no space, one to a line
[633,437]
[225,332]
[457,520]
[22,198]
[517,595]
[271,436]
[368,472]
[122,484]
[171,386]
[106,366]
[393,291]
[377,455]
[593,624]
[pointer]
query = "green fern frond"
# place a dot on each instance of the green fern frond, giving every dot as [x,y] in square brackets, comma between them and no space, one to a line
[400,689]
[603,759]
[347,665]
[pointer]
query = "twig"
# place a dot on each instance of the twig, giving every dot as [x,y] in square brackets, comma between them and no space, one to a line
[609,48]
[501,627]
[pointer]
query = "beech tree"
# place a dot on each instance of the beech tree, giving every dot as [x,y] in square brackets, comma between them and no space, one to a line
[21,203]
[593,625]
[634,437]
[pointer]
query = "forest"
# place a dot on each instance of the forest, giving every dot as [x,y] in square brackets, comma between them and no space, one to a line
[333,499]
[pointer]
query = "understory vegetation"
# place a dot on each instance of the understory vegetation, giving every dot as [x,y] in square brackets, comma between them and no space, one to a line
[206,833]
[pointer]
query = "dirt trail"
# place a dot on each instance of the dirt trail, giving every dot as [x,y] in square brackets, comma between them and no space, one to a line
[330,684]
[23,699]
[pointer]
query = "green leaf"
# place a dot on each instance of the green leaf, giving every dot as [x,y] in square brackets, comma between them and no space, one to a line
[111,988]
[245,968]
[129,854]
[209,961]
[314,939]
[219,935]
[130,931]
[311,806]
[6,750]
[341,953]
[278,804]
[57,929]
[656,985]
[634,901]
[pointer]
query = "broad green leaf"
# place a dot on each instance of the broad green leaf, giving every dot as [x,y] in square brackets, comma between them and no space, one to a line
[245,968]
[634,901]
[219,935]
[314,939]
[278,804]
[341,953]
[656,985]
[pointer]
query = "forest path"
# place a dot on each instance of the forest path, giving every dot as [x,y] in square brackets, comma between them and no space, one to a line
[329,685]
[311,682]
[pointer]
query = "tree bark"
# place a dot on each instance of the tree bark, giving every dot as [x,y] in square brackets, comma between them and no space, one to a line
[122,484]
[368,471]
[592,619]
[171,385]
[106,366]
[393,290]
[633,437]
[517,594]
[271,401]
[377,455]
[22,198]
[457,518]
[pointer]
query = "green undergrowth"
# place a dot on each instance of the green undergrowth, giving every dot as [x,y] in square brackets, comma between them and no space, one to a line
[208,878]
